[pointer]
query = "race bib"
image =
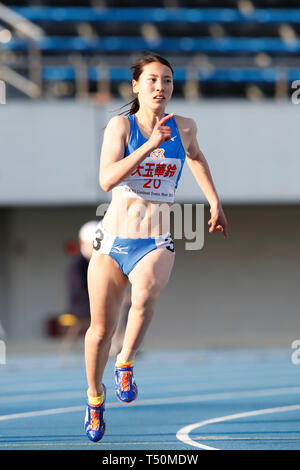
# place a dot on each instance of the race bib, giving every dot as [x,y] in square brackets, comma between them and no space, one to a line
[153,179]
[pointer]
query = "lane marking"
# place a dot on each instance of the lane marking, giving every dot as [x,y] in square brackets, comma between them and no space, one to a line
[159,401]
[159,443]
[154,401]
[31,414]
[230,438]
[87,444]
[183,433]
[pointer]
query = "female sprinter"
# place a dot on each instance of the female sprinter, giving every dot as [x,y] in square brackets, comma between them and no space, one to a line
[141,162]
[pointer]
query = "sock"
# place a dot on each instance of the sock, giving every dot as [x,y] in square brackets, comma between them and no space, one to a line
[96,401]
[124,364]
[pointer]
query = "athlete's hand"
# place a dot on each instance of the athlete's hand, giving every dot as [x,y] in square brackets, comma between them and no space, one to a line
[160,132]
[218,220]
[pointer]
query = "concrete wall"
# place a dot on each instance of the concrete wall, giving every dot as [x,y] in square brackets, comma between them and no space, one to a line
[38,266]
[50,151]
[243,291]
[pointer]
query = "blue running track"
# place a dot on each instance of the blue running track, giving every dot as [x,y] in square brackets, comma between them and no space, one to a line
[188,400]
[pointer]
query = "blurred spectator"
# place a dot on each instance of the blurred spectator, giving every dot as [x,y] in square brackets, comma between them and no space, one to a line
[79,308]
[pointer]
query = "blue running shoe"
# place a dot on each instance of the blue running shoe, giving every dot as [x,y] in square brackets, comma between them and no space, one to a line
[126,388]
[94,421]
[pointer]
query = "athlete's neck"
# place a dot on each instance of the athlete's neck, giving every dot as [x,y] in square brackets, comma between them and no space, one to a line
[147,117]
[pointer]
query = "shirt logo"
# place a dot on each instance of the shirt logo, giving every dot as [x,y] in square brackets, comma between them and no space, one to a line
[157,153]
[173,138]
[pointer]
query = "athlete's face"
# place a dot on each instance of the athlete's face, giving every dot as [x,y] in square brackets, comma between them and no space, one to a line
[154,87]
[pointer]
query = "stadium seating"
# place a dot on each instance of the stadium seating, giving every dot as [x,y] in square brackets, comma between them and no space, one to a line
[246,49]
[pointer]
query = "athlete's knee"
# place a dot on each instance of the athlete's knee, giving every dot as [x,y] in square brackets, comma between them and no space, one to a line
[101,333]
[145,297]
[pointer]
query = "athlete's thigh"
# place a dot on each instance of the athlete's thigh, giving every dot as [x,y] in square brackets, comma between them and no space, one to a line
[152,272]
[106,285]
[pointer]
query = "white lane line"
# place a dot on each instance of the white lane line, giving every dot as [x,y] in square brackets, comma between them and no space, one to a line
[140,443]
[230,438]
[54,411]
[31,414]
[190,398]
[183,433]
[87,444]
[160,401]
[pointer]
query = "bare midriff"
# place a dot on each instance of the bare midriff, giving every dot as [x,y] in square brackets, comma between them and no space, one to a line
[129,217]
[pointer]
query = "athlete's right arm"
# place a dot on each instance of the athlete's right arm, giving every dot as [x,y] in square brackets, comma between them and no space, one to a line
[113,167]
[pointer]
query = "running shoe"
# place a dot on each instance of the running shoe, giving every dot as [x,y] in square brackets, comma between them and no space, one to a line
[94,421]
[126,388]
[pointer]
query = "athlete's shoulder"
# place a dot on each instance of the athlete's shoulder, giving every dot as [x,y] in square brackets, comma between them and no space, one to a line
[119,124]
[186,125]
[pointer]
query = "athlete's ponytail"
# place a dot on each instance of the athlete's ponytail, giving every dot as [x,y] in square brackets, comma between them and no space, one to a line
[135,106]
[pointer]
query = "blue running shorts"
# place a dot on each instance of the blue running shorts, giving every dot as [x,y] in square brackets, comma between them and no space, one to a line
[127,252]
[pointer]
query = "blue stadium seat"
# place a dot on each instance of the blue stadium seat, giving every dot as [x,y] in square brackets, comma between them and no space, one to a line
[226,48]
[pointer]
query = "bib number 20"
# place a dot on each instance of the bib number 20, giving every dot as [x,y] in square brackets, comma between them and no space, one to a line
[155,184]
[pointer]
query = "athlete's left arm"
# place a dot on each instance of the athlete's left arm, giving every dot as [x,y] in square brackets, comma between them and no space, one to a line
[200,169]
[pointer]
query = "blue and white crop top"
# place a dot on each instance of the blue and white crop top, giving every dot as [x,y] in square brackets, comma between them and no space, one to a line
[156,177]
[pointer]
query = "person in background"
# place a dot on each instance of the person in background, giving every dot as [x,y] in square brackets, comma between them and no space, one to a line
[78,292]
[79,306]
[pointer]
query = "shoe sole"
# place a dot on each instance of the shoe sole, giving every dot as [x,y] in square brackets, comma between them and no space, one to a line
[98,439]
[123,401]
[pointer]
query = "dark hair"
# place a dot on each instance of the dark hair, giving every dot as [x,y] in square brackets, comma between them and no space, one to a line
[136,71]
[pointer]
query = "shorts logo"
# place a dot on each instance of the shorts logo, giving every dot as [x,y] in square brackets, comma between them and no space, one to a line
[157,153]
[119,250]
